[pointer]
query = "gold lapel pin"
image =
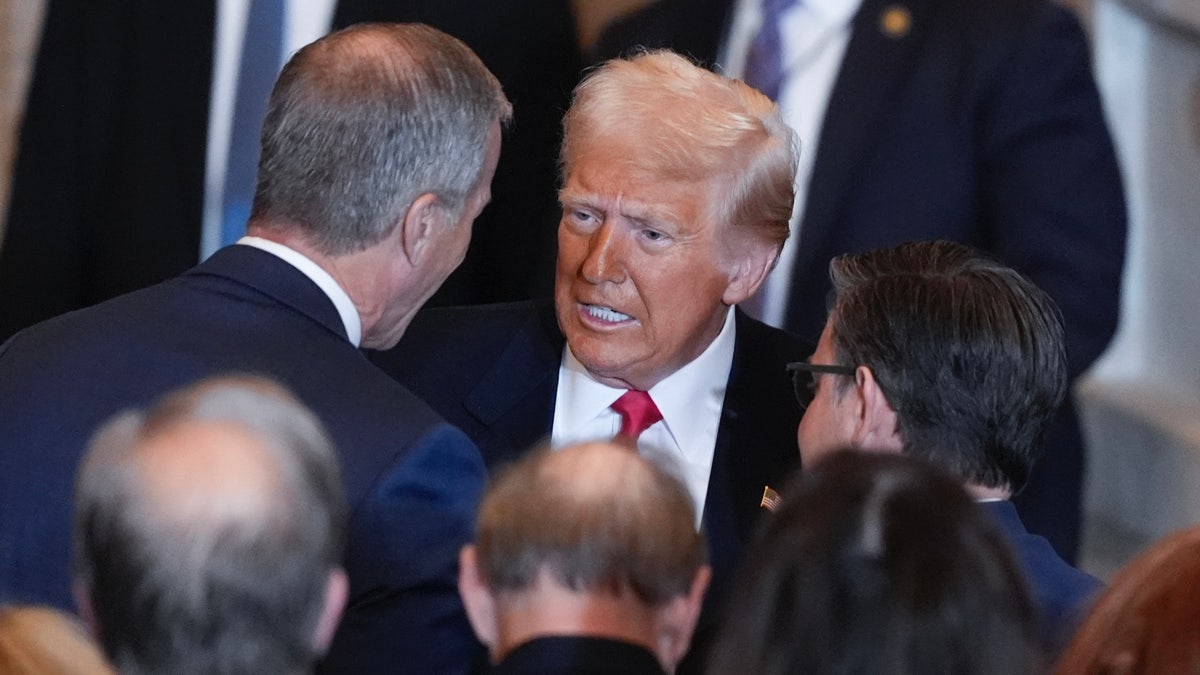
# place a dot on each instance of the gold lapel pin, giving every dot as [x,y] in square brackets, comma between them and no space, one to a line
[770,499]
[895,21]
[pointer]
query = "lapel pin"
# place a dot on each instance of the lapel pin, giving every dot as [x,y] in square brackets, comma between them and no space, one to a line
[770,499]
[895,21]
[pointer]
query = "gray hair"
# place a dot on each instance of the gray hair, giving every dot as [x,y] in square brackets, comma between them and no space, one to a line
[367,119]
[178,581]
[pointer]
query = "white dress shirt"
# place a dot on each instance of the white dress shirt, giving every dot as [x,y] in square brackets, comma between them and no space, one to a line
[690,400]
[814,36]
[341,300]
[306,20]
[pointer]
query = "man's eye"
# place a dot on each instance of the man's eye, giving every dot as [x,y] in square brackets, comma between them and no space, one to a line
[653,235]
[584,220]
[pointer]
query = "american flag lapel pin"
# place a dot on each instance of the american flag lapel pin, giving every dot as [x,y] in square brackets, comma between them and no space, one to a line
[770,499]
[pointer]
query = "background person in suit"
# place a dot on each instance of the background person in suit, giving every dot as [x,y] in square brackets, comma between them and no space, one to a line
[209,532]
[586,560]
[976,121]
[935,351]
[379,146]
[672,214]
[121,160]
[878,565]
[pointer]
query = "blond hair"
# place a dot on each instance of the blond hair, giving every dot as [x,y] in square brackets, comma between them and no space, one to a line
[673,120]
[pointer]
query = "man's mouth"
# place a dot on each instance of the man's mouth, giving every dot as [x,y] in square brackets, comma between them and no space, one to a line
[607,314]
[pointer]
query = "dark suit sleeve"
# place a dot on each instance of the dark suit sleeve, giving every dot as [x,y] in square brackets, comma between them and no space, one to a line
[1052,189]
[405,614]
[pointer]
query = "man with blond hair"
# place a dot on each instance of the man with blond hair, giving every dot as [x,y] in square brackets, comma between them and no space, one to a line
[677,189]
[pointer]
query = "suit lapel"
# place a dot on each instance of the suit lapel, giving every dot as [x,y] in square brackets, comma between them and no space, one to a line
[514,400]
[755,445]
[885,38]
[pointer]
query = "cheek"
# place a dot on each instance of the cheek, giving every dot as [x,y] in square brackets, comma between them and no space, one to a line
[813,435]
[571,251]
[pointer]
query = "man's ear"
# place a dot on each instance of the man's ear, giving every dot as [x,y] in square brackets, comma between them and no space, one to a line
[417,226]
[337,591]
[876,429]
[677,621]
[750,272]
[477,598]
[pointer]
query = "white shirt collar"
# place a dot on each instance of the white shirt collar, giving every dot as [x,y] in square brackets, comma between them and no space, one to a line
[690,400]
[341,301]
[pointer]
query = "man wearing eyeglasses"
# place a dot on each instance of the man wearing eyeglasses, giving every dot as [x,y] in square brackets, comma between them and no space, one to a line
[935,351]
[673,213]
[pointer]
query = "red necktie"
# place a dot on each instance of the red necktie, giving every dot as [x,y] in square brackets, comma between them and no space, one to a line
[637,412]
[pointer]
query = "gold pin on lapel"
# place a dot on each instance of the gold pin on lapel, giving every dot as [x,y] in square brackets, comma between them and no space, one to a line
[895,21]
[770,499]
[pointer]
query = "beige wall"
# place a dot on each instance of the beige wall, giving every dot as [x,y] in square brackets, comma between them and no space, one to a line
[19,28]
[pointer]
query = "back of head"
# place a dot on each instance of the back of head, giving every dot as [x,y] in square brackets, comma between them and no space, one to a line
[669,119]
[1146,622]
[597,518]
[38,640]
[365,120]
[878,564]
[969,353]
[206,530]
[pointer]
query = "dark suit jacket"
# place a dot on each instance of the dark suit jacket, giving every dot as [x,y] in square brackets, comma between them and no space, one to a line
[982,125]
[412,481]
[493,372]
[108,185]
[578,655]
[1060,592]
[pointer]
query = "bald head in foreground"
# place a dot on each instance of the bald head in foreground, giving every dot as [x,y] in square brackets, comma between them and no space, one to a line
[585,557]
[209,531]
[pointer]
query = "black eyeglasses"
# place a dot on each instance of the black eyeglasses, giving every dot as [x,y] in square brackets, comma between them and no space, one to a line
[804,378]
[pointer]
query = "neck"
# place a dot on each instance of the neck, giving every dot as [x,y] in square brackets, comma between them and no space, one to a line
[556,611]
[366,276]
[983,492]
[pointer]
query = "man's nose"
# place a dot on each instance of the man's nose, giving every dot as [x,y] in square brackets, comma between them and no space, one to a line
[604,260]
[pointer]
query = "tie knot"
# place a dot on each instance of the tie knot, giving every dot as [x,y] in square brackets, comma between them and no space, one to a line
[637,411]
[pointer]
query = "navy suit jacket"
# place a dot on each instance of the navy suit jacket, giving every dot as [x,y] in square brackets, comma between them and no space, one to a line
[1060,592]
[982,124]
[493,372]
[412,481]
[108,184]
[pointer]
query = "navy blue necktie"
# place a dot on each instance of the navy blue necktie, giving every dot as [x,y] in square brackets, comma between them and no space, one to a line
[262,50]
[764,61]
